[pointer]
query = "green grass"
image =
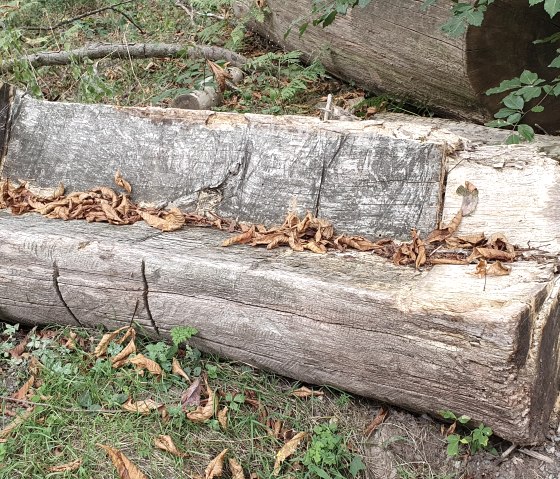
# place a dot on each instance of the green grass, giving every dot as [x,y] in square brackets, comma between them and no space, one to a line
[80,401]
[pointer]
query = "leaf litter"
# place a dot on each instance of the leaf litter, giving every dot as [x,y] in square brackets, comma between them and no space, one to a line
[318,235]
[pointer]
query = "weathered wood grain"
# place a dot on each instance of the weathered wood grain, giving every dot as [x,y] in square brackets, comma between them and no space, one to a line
[430,340]
[396,46]
[252,167]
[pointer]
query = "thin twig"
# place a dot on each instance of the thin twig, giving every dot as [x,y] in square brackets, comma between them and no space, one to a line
[79,17]
[189,11]
[129,19]
[59,408]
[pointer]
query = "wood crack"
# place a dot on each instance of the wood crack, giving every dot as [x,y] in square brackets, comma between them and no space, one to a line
[55,276]
[326,165]
[145,297]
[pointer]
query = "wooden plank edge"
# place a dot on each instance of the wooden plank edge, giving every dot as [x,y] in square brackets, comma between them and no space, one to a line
[7,92]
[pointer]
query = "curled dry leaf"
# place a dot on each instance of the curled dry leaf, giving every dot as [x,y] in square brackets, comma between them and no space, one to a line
[143,407]
[191,397]
[122,358]
[178,370]
[444,233]
[203,413]
[490,254]
[19,349]
[223,418]
[377,421]
[220,75]
[498,269]
[171,220]
[125,467]
[304,392]
[101,348]
[216,466]
[287,450]
[469,193]
[165,443]
[141,362]
[120,181]
[68,467]
[23,390]
[235,469]
[243,238]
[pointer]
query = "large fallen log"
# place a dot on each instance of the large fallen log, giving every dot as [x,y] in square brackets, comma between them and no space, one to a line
[397,47]
[440,338]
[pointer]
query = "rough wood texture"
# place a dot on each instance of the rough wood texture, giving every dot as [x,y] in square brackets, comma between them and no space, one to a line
[252,167]
[427,341]
[394,46]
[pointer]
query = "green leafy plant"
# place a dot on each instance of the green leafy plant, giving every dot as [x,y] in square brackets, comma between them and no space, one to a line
[328,456]
[475,440]
[324,12]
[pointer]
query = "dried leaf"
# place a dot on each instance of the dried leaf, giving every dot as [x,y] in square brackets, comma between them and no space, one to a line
[377,421]
[121,358]
[470,198]
[357,242]
[315,247]
[243,238]
[111,213]
[465,241]
[223,418]
[141,362]
[125,467]
[480,270]
[58,192]
[444,233]
[101,348]
[235,469]
[173,220]
[21,393]
[500,242]
[144,407]
[498,269]
[18,350]
[20,419]
[287,450]
[120,181]
[191,397]
[216,466]
[490,254]
[203,413]
[108,194]
[304,392]
[220,75]
[165,443]
[178,370]
[69,466]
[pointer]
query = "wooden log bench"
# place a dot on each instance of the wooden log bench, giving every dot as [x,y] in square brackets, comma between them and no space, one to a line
[429,339]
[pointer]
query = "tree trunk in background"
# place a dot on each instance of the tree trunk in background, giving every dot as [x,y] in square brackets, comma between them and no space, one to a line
[393,46]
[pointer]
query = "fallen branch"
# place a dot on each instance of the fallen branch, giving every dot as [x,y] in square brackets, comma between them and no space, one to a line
[127,50]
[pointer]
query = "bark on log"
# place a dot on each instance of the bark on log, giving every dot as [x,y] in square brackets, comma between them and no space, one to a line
[394,46]
[430,340]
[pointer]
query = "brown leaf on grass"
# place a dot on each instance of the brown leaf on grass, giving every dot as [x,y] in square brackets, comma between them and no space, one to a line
[120,181]
[377,421]
[68,467]
[220,75]
[178,370]
[216,466]
[287,450]
[203,413]
[126,469]
[191,397]
[19,349]
[171,221]
[304,392]
[165,443]
[141,362]
[18,421]
[144,407]
[101,348]
[469,193]
[235,469]
[34,366]
[122,358]
[243,238]
[223,418]
[21,393]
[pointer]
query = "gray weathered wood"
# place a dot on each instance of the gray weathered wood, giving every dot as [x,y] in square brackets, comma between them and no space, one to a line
[426,340]
[396,46]
[252,167]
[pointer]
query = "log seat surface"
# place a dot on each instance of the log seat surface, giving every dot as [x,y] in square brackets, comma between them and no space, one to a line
[428,340]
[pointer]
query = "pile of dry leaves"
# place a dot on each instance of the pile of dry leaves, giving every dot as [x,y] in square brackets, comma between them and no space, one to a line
[441,246]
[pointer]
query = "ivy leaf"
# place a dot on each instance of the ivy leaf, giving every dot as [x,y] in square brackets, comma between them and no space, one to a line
[513,119]
[513,139]
[526,132]
[552,7]
[513,101]
[530,92]
[528,77]
[505,86]
[556,90]
[555,63]
[453,445]
[504,113]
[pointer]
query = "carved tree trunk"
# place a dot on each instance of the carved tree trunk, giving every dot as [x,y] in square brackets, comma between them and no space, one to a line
[426,340]
[394,46]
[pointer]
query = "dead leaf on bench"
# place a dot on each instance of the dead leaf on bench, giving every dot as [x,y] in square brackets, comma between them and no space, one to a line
[141,362]
[287,450]
[120,181]
[126,469]
[490,254]
[444,233]
[165,443]
[243,238]
[469,192]
[465,241]
[216,466]
[68,467]
[356,242]
[498,269]
[171,221]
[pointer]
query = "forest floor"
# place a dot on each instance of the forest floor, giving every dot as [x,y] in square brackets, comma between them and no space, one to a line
[73,401]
